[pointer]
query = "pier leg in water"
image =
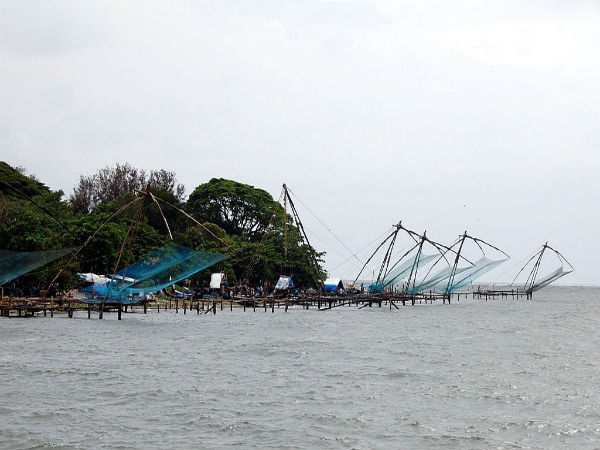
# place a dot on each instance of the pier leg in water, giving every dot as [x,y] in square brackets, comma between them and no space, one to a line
[145,307]
[89,308]
[177,306]
[100,311]
[120,310]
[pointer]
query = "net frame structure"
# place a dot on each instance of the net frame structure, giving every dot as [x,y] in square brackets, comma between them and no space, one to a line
[534,282]
[410,264]
[162,268]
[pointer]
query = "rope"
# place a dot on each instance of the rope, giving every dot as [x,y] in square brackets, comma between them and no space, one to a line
[39,206]
[353,254]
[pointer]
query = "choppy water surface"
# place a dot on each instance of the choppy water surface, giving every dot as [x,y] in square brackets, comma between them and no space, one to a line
[474,374]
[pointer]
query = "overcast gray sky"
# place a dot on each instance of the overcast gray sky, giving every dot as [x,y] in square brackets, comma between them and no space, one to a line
[475,115]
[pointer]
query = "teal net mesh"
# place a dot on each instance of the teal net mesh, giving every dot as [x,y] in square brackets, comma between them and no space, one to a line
[15,264]
[472,273]
[162,268]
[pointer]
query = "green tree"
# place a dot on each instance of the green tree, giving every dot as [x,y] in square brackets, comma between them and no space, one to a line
[240,209]
[255,225]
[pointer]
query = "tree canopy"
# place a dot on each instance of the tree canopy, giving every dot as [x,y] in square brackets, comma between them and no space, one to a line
[238,219]
[240,209]
[110,183]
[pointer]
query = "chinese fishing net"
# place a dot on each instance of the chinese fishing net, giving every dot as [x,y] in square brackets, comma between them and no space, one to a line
[164,267]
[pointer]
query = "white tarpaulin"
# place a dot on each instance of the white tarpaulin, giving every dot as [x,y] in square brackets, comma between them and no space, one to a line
[216,279]
[93,278]
[284,283]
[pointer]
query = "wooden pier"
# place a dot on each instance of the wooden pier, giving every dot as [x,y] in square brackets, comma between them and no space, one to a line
[29,307]
[502,293]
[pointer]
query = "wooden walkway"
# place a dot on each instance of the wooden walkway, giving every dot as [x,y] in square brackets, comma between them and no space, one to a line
[28,307]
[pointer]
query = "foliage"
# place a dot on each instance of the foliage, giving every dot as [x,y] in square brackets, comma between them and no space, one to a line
[239,220]
[110,183]
[240,209]
[16,177]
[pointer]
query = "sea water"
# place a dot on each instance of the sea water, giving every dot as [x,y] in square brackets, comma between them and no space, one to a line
[499,374]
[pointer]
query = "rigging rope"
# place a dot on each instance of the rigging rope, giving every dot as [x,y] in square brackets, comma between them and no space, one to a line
[353,254]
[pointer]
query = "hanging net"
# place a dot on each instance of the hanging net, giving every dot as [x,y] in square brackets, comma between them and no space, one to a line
[15,264]
[399,272]
[430,281]
[164,267]
[468,276]
[547,279]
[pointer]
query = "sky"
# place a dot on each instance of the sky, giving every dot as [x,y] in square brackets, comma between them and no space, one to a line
[450,116]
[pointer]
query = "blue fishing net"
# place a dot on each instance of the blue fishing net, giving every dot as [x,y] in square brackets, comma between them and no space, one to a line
[15,264]
[164,267]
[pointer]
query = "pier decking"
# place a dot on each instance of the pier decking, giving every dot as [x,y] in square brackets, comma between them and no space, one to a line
[28,307]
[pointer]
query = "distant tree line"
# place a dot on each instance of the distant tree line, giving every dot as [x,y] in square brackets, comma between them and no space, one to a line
[239,220]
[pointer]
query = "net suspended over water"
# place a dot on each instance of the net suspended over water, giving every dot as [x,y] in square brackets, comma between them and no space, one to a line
[400,272]
[15,264]
[472,273]
[164,267]
[463,276]
[549,278]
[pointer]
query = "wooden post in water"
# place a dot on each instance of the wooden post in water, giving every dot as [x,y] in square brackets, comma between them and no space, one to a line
[89,308]
[100,310]
[120,310]
[145,307]
[177,305]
